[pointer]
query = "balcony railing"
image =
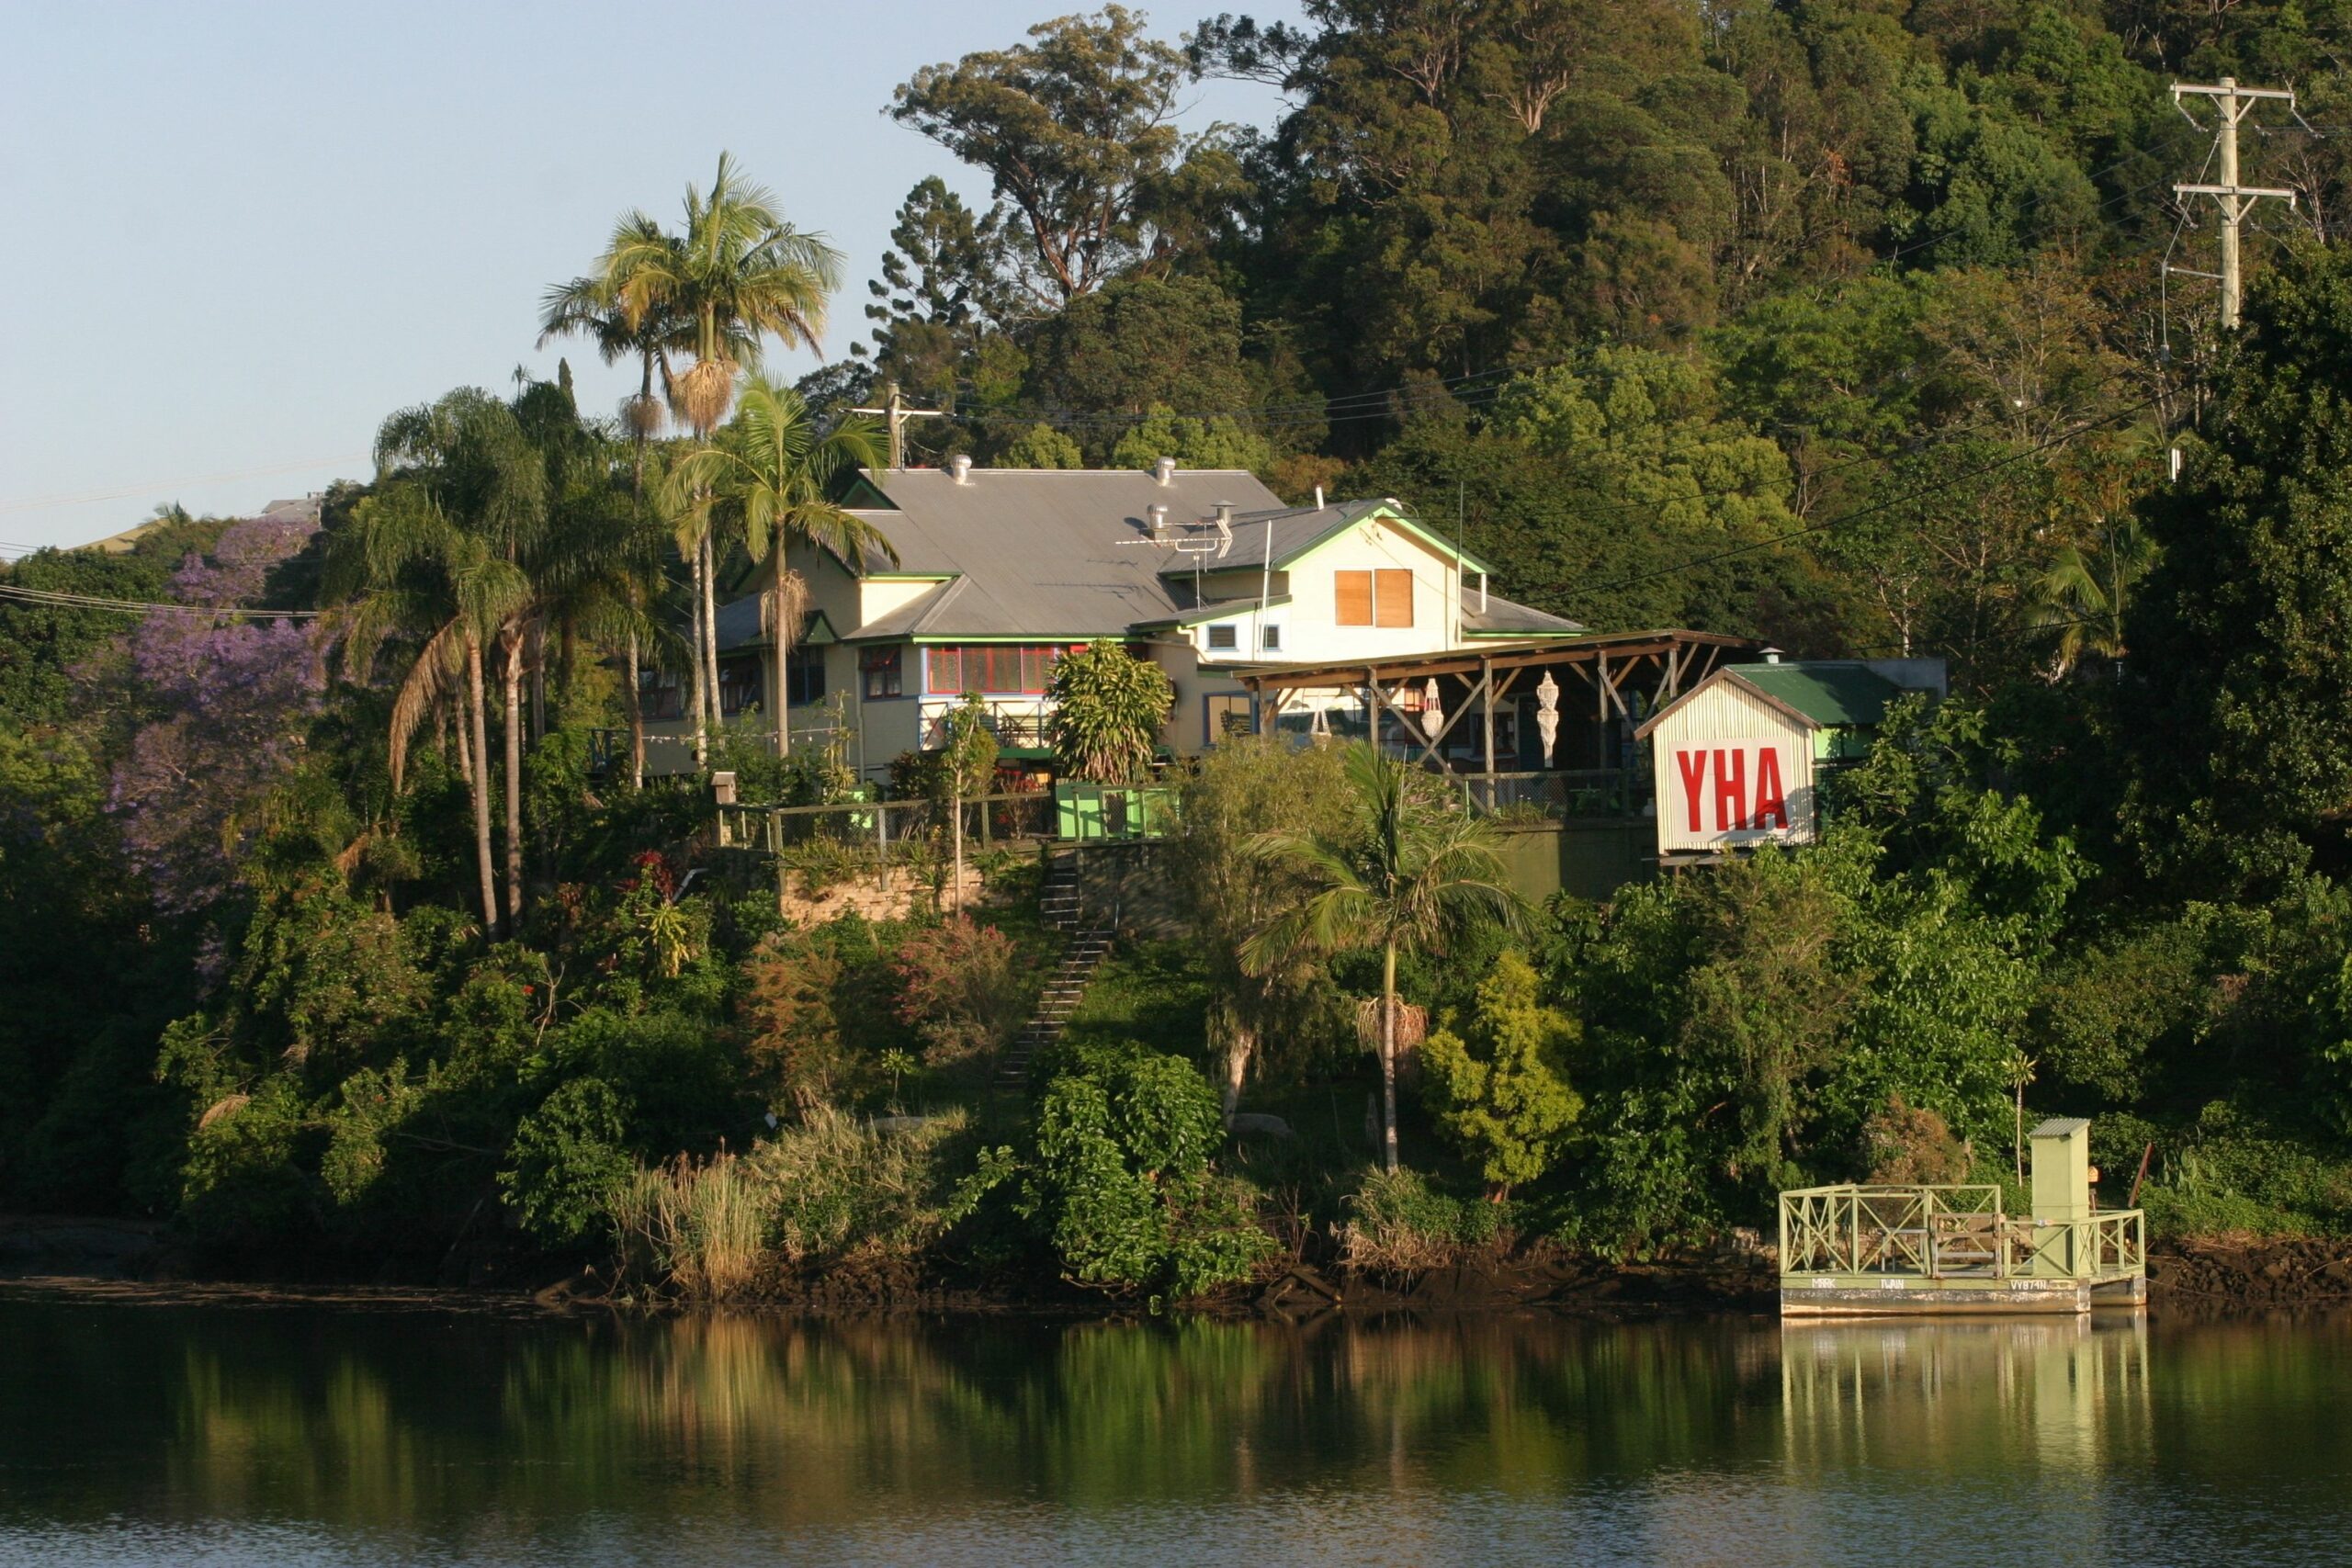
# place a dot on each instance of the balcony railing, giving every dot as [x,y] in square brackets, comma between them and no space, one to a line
[1018,723]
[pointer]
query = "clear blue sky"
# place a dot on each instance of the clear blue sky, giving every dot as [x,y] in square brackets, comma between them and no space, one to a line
[241,234]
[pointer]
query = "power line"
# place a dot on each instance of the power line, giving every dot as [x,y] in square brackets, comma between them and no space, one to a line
[62,600]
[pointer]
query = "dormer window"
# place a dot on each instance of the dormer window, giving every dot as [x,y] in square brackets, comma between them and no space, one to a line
[1224,638]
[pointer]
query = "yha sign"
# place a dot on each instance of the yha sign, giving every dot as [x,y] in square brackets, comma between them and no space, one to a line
[1719,793]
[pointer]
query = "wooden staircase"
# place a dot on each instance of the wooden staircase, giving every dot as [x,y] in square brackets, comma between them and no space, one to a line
[1058,902]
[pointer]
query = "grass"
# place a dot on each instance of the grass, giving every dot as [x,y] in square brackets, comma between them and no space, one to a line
[1152,993]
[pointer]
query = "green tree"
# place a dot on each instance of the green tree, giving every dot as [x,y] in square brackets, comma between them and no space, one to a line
[1408,877]
[432,555]
[1508,1104]
[768,482]
[1107,706]
[1073,130]
[735,275]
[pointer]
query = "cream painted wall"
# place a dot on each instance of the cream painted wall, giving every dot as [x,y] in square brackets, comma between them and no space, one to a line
[1311,633]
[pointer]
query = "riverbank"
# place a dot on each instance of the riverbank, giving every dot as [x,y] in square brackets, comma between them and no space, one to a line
[135,1260]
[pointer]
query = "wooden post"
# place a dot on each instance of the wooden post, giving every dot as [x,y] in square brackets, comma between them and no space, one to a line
[1487,682]
[956,809]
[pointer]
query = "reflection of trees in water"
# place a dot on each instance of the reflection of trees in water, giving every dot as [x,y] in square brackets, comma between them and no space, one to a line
[470,1427]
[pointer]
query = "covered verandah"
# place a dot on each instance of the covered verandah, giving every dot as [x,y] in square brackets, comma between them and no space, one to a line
[1537,726]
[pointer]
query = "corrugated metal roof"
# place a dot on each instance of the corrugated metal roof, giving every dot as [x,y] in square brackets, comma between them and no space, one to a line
[1041,552]
[2060,1127]
[1503,618]
[1828,692]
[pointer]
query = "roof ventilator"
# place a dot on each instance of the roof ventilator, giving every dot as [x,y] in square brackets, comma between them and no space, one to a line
[1164,470]
[959,468]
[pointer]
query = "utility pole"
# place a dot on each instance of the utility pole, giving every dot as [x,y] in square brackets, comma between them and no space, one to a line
[894,409]
[2233,199]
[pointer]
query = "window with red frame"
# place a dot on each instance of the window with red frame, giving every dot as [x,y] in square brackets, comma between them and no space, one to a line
[986,667]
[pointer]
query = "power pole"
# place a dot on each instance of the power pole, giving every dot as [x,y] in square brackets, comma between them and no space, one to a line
[2233,199]
[894,409]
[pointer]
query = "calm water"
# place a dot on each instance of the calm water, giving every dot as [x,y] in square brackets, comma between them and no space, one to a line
[140,1434]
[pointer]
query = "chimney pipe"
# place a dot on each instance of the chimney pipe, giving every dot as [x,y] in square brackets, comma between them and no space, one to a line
[1319,497]
[1164,470]
[959,467]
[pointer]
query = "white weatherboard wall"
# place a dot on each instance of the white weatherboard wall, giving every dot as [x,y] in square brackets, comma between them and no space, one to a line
[1711,754]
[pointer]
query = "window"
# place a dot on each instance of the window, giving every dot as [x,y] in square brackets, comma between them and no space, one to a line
[1225,637]
[986,667]
[659,696]
[1381,598]
[1227,715]
[881,668]
[739,685]
[804,678]
[1270,639]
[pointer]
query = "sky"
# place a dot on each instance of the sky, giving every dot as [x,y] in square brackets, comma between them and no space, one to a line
[241,234]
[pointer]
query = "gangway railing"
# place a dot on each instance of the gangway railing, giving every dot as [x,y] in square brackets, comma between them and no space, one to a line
[1954,1232]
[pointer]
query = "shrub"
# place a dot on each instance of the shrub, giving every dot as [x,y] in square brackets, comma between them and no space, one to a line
[1108,707]
[566,1163]
[834,1187]
[1508,1106]
[1906,1144]
[795,1041]
[1401,1226]
[1122,1185]
[961,989]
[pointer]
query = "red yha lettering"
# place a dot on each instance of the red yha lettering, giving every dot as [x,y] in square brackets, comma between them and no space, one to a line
[1771,799]
[1695,780]
[1731,791]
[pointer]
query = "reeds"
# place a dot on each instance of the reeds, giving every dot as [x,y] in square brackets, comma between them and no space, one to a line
[701,1225]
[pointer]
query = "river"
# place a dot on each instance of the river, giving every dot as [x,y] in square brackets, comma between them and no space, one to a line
[132,1432]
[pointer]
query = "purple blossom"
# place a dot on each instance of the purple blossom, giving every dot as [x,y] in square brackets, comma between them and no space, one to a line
[233,699]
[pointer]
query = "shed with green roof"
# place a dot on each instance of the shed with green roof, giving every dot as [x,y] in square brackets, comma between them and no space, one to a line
[1739,757]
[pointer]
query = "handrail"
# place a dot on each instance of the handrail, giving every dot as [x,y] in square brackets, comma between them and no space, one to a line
[1952,1231]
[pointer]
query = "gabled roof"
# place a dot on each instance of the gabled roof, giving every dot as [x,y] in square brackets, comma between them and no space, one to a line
[1047,553]
[1817,693]
[1295,531]
[743,624]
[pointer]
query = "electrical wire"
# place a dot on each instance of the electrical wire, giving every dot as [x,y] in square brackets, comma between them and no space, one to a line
[62,600]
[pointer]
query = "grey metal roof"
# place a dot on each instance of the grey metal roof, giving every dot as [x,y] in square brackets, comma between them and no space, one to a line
[1503,618]
[1047,553]
[1294,528]
[2060,1127]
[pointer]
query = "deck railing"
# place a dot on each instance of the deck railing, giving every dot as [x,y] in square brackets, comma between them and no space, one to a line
[883,828]
[1949,1232]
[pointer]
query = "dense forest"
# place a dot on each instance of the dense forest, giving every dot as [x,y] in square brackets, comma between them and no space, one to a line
[333,930]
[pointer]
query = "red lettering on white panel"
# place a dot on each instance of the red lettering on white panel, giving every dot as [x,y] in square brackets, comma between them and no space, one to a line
[1731,791]
[1771,800]
[1693,765]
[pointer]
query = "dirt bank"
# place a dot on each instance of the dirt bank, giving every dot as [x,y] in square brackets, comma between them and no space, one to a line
[2244,1270]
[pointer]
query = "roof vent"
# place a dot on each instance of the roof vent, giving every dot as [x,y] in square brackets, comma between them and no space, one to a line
[1163,470]
[1225,514]
[1159,514]
[959,468]
[1319,497]
[1771,656]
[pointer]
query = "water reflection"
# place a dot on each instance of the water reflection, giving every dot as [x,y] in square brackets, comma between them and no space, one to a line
[425,1436]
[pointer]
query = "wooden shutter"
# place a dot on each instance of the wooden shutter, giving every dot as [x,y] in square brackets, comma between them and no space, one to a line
[1394,594]
[1355,598]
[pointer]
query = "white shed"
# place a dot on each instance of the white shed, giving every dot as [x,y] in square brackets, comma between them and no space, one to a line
[1737,759]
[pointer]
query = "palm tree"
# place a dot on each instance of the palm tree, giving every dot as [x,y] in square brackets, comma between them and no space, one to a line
[433,554]
[2081,598]
[736,275]
[768,481]
[1411,875]
[590,307]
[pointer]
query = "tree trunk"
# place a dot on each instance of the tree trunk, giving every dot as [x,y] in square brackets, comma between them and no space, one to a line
[634,702]
[539,683]
[1240,1042]
[710,628]
[479,783]
[783,654]
[1388,1058]
[703,699]
[515,641]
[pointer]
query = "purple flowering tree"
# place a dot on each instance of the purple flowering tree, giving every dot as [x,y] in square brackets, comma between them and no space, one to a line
[232,700]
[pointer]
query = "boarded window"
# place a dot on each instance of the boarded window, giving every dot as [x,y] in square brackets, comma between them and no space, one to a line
[1381,598]
[1224,637]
